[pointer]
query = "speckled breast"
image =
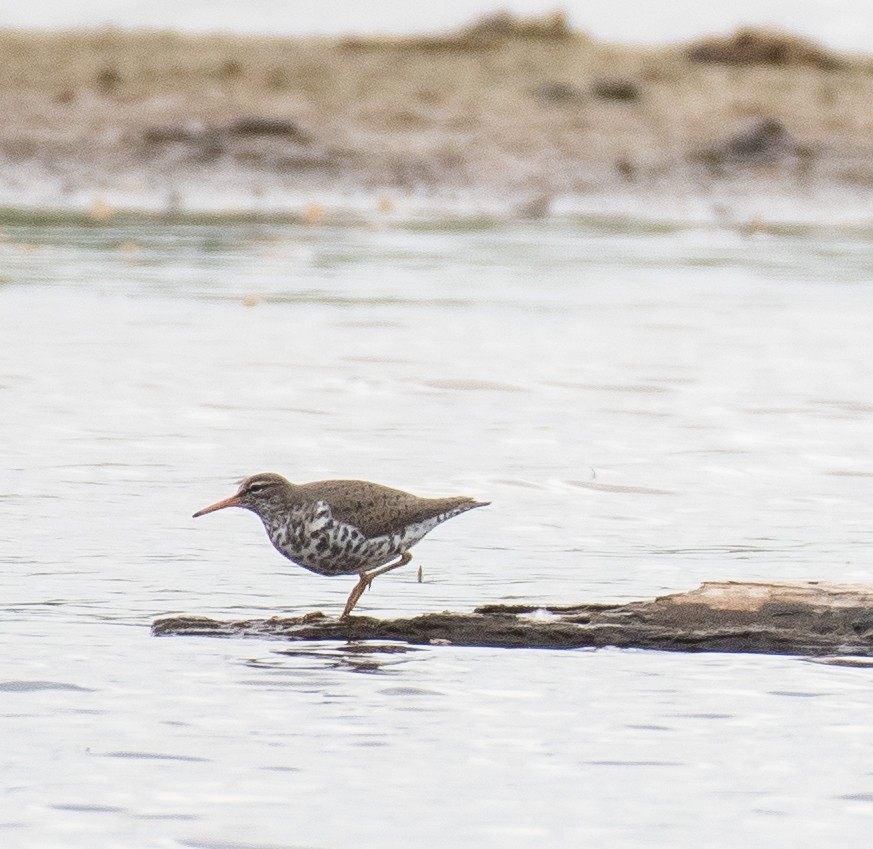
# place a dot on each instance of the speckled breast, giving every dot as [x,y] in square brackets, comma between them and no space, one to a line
[314,539]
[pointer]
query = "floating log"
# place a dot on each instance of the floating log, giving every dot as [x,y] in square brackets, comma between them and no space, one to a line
[808,618]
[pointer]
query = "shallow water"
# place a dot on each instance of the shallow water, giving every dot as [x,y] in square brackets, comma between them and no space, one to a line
[647,408]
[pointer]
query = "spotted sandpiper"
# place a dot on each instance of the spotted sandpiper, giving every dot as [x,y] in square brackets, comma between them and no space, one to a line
[342,527]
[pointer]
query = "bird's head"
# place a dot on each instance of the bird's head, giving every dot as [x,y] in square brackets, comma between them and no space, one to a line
[263,493]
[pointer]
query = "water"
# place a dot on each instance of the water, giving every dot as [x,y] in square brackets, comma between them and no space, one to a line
[846,25]
[647,408]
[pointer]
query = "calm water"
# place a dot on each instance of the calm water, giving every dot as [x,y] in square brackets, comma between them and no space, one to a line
[846,25]
[646,408]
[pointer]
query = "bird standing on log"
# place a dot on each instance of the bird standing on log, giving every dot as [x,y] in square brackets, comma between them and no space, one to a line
[342,527]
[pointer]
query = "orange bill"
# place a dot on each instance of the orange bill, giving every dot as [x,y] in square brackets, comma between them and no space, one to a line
[233,501]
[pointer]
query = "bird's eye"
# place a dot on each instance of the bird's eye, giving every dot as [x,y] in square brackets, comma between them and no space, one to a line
[256,487]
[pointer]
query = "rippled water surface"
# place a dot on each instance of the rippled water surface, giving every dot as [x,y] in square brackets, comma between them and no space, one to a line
[646,409]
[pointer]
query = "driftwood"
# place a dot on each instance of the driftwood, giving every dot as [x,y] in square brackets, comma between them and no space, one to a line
[771,618]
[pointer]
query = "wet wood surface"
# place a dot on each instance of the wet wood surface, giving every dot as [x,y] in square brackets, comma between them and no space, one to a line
[810,618]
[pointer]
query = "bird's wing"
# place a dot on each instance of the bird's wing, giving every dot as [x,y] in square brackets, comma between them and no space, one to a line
[377,510]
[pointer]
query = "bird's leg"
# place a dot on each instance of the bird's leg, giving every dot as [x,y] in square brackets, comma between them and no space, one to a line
[355,594]
[367,578]
[404,559]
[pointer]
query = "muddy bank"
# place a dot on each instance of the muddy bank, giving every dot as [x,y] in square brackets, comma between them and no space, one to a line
[770,618]
[529,113]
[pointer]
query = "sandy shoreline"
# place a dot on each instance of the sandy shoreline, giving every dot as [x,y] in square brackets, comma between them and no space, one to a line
[530,121]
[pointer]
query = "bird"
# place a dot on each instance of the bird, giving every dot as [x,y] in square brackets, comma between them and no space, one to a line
[342,527]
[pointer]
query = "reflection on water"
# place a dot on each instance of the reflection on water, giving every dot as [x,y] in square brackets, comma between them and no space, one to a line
[646,409]
[355,657]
